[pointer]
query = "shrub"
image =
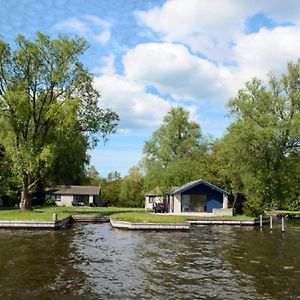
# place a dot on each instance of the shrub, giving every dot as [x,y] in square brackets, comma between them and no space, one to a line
[50,202]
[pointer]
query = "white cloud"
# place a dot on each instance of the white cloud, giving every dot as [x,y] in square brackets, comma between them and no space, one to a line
[212,27]
[265,51]
[209,27]
[73,25]
[128,98]
[103,37]
[173,70]
[108,68]
[92,27]
[97,21]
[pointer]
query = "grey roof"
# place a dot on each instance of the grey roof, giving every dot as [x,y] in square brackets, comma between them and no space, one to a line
[195,183]
[73,190]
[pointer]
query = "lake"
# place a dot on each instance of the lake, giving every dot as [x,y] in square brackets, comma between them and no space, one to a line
[94,261]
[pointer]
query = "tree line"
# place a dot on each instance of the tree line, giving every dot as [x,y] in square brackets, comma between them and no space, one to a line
[50,116]
[257,160]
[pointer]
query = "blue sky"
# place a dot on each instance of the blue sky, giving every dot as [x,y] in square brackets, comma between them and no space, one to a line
[149,55]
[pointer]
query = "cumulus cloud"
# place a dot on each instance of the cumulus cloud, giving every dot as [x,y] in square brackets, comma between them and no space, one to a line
[229,54]
[212,27]
[172,69]
[129,99]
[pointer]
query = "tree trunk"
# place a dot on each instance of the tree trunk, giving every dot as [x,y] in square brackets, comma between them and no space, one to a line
[25,199]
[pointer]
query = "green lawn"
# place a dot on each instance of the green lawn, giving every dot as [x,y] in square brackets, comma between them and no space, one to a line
[135,215]
[44,213]
[147,217]
[283,212]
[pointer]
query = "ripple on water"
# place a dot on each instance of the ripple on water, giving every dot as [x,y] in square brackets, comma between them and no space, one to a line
[93,261]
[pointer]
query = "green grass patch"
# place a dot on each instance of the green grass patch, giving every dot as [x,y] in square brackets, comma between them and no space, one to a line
[148,217]
[44,213]
[283,212]
[19,215]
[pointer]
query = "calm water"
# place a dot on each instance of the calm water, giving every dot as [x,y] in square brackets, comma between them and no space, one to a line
[93,261]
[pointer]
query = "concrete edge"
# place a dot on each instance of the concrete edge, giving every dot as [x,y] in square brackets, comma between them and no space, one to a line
[149,226]
[90,218]
[248,222]
[35,224]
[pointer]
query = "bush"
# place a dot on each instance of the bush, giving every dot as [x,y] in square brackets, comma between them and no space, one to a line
[252,208]
[50,202]
[294,204]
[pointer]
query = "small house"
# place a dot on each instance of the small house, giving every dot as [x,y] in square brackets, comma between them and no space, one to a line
[74,195]
[199,196]
[154,196]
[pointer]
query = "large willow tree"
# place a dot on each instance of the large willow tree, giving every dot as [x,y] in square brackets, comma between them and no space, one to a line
[46,101]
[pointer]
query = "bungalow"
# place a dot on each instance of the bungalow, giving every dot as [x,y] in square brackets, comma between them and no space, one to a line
[199,196]
[74,195]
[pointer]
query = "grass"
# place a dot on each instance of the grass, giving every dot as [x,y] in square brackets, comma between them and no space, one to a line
[134,215]
[44,213]
[147,217]
[284,212]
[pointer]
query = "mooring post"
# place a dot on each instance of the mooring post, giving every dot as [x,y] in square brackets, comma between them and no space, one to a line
[282,224]
[54,217]
[271,223]
[260,220]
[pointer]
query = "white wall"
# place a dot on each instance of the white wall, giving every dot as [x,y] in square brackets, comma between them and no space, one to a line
[66,200]
[149,205]
[177,203]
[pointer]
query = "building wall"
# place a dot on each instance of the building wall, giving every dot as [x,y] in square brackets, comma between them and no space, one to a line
[148,204]
[177,203]
[66,200]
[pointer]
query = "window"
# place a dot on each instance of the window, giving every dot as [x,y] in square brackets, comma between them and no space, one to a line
[151,199]
[193,203]
[54,197]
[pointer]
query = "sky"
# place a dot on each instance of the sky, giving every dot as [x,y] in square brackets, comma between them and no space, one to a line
[149,55]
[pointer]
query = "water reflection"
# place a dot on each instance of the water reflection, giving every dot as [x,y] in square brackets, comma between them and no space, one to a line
[94,261]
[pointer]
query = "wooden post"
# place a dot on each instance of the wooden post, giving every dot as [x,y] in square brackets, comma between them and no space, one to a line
[260,220]
[282,224]
[54,217]
[271,223]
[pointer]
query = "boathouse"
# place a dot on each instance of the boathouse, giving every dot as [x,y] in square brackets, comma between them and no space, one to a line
[199,196]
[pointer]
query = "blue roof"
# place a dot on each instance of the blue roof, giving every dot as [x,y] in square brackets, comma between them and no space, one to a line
[195,183]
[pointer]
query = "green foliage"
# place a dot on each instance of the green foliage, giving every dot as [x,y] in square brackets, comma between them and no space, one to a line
[49,110]
[50,202]
[263,142]
[132,189]
[92,176]
[173,154]
[110,188]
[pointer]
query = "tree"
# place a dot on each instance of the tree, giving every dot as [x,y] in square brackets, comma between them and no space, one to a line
[110,188]
[132,189]
[46,92]
[173,154]
[265,138]
[92,176]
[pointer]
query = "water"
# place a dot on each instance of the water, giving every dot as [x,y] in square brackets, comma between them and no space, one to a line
[94,261]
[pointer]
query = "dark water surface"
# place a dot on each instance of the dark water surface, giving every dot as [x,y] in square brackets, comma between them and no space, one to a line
[94,261]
